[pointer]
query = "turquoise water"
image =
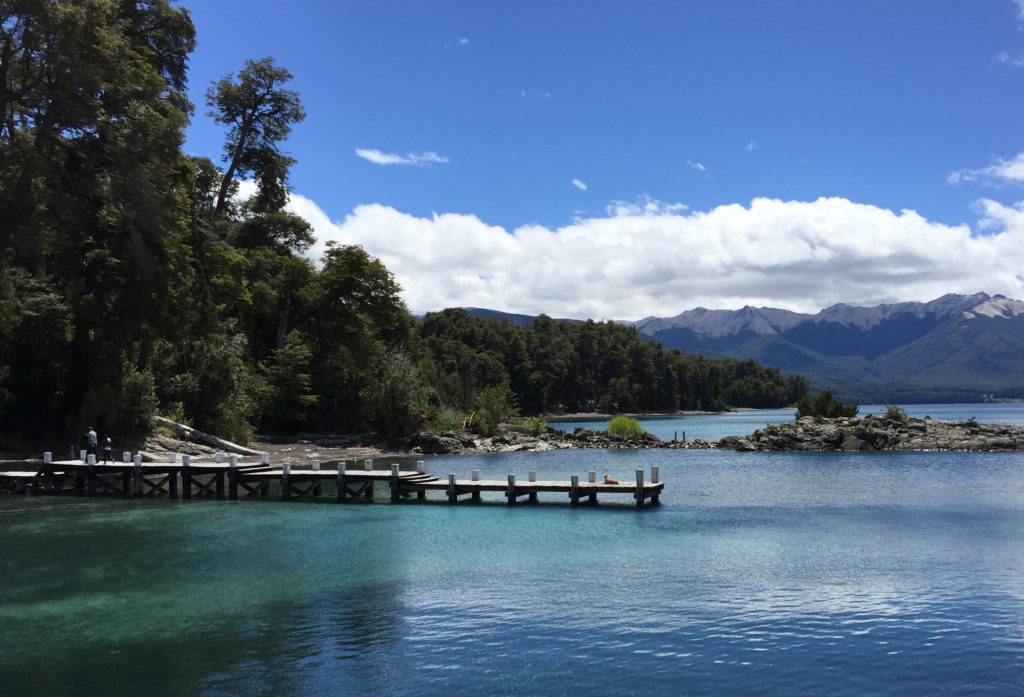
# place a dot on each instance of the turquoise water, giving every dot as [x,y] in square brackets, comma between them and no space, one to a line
[740,423]
[761,573]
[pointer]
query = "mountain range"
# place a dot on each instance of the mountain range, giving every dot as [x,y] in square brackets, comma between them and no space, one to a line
[957,348]
[954,348]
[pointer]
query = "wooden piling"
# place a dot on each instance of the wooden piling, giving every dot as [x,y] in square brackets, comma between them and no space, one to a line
[511,494]
[639,488]
[186,477]
[532,477]
[90,475]
[286,484]
[574,494]
[452,494]
[233,478]
[341,494]
[395,493]
[137,475]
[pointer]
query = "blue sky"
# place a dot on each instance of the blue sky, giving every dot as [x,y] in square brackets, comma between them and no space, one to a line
[896,106]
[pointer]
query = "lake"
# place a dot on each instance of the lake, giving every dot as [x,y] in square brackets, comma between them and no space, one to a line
[711,427]
[761,574]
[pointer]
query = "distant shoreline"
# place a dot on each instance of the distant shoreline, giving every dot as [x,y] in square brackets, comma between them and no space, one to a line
[598,416]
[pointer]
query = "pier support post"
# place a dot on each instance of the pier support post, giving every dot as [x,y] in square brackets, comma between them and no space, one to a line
[90,474]
[367,465]
[421,468]
[316,485]
[655,478]
[511,492]
[126,457]
[81,455]
[452,495]
[218,457]
[340,494]
[47,458]
[286,481]
[233,477]
[639,488]
[186,477]
[264,458]
[474,475]
[395,493]
[137,471]
[532,476]
[591,476]
[574,494]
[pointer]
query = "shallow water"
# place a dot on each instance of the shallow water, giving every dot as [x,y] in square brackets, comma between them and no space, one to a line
[761,573]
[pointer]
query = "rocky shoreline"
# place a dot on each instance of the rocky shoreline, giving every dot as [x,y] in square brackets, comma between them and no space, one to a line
[877,433]
[869,433]
[454,443]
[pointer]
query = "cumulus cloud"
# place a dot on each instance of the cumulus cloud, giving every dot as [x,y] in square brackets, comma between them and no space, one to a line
[1002,172]
[579,184]
[461,41]
[421,159]
[752,146]
[697,166]
[652,258]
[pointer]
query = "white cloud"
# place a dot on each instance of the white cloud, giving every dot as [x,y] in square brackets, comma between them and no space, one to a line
[1003,172]
[461,41]
[643,206]
[1020,9]
[421,159]
[697,166]
[752,146]
[579,184]
[1007,58]
[652,258]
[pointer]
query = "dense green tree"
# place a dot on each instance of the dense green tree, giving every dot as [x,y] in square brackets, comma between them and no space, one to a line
[259,113]
[396,397]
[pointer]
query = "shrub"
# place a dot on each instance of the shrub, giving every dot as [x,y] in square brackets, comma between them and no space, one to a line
[534,425]
[445,419]
[625,427]
[894,413]
[494,405]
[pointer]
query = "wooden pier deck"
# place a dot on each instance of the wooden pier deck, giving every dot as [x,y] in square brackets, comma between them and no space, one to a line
[231,479]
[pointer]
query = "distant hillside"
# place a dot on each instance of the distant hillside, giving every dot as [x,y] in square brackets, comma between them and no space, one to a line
[518,320]
[954,348]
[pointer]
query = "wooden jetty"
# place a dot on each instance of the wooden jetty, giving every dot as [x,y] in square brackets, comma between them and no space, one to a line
[228,478]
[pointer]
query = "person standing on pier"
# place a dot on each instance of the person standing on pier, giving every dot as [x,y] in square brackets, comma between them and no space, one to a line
[108,448]
[90,443]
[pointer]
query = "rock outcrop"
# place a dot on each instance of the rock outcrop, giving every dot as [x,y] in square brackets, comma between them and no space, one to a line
[874,433]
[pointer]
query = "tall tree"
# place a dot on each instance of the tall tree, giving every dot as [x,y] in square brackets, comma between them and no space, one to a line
[259,113]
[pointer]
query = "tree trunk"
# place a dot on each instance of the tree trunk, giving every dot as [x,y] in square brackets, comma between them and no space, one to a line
[188,433]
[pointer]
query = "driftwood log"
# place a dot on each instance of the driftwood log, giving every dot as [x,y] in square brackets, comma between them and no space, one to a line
[188,433]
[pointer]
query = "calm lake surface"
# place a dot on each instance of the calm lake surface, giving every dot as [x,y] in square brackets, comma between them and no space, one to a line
[740,423]
[761,573]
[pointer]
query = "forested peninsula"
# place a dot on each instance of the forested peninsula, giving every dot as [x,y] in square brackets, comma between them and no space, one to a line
[136,280]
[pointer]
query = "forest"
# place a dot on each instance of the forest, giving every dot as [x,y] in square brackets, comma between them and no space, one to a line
[135,279]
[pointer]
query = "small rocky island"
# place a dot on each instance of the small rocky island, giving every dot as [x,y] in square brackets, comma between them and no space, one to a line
[874,433]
